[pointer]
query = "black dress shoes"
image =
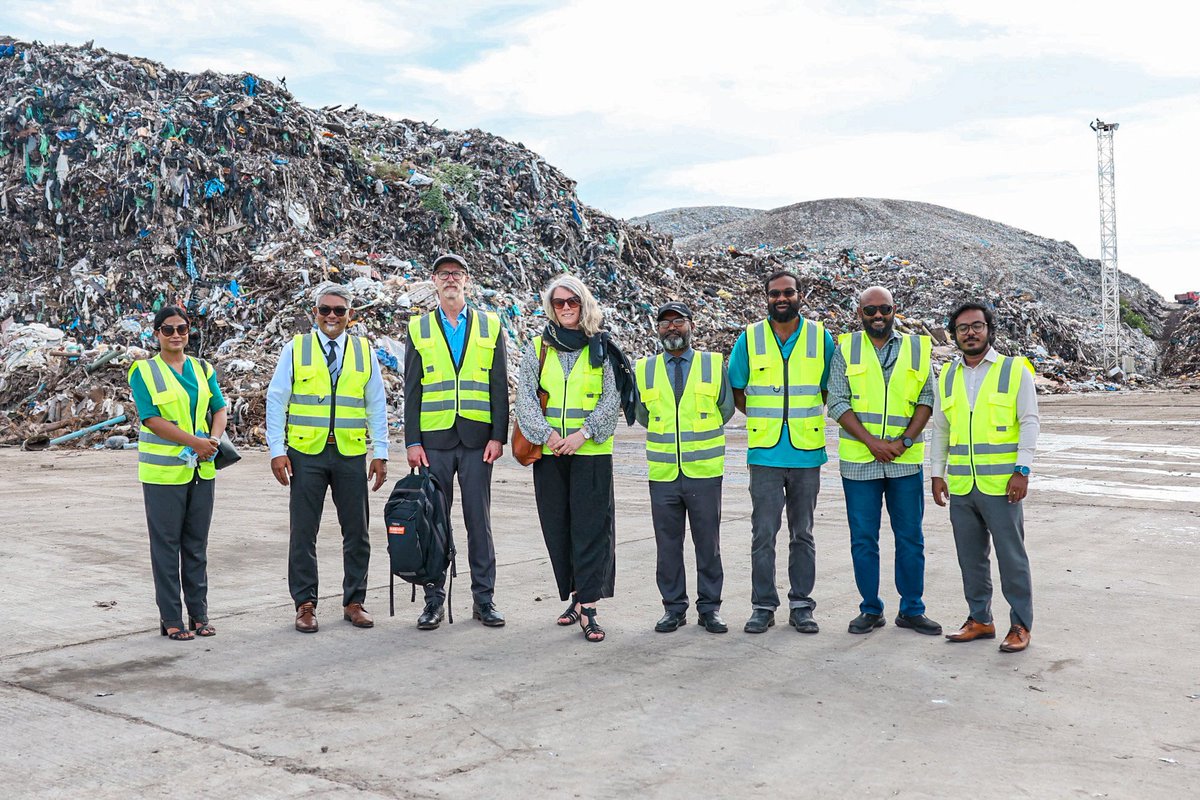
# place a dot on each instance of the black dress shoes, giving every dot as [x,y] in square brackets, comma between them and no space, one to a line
[865,623]
[488,615]
[920,623]
[760,620]
[802,620]
[431,617]
[671,621]
[712,622]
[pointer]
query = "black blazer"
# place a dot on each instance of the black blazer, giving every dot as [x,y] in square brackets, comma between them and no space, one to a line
[467,432]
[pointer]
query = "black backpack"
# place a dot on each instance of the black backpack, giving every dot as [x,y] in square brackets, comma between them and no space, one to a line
[419,536]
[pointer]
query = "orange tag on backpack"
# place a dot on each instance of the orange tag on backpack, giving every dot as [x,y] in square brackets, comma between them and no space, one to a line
[396,529]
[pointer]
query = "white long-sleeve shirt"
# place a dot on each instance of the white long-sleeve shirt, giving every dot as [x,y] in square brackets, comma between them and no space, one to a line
[1027,414]
[279,394]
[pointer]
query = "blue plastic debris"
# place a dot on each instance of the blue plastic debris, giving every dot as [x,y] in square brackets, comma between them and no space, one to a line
[213,187]
[575,214]
[8,50]
[387,359]
[143,233]
[250,83]
[234,289]
[279,160]
[67,135]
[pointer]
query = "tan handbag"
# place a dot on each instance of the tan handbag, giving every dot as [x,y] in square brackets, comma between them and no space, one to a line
[523,450]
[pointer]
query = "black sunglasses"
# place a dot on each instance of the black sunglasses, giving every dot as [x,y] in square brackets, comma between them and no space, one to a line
[885,309]
[337,311]
[171,330]
[775,294]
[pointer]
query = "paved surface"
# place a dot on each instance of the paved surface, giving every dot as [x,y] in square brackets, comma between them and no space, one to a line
[94,703]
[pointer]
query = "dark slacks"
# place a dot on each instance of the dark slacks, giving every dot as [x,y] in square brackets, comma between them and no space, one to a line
[475,483]
[905,499]
[178,518]
[976,518]
[575,506]
[771,489]
[312,476]
[696,501]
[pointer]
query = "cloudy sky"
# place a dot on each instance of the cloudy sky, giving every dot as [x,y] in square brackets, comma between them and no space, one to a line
[983,107]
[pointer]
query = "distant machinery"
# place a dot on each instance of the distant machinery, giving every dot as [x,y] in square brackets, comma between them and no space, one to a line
[1110,284]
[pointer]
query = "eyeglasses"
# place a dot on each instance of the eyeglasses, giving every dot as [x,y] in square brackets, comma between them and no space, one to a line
[171,330]
[775,294]
[565,302]
[674,322]
[450,274]
[870,311]
[974,327]
[337,311]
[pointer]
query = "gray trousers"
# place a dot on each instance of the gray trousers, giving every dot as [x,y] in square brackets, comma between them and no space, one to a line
[475,483]
[312,476]
[699,500]
[974,516]
[771,489]
[178,518]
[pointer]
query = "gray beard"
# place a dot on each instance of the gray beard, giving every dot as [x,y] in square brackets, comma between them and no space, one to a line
[676,342]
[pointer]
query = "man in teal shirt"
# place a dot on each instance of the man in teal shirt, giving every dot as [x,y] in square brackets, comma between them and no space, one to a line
[783,474]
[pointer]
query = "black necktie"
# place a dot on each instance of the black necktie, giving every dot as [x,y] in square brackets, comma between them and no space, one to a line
[678,382]
[331,357]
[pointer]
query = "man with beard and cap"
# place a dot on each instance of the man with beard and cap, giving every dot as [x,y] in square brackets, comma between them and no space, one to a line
[685,402]
[456,421]
[985,429]
[325,395]
[779,370]
[881,393]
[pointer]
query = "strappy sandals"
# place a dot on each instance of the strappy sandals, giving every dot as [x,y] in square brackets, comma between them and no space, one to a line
[570,616]
[591,631]
[178,634]
[201,627]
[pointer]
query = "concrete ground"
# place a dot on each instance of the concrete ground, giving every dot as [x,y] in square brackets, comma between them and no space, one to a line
[1105,703]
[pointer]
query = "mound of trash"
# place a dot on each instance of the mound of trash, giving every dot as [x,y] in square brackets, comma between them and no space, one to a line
[127,186]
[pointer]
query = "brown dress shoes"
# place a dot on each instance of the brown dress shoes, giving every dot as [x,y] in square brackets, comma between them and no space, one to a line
[972,630]
[306,618]
[1016,641]
[357,615]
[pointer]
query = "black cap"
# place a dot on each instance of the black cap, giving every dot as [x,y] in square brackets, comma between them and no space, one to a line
[678,308]
[444,257]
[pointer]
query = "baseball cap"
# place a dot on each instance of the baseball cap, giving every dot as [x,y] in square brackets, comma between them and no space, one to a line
[678,308]
[444,257]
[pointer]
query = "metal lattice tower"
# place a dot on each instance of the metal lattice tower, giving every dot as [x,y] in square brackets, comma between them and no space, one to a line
[1110,286]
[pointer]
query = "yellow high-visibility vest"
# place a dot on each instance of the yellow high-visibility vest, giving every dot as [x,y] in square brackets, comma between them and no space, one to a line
[688,436]
[884,409]
[315,402]
[160,460]
[983,440]
[447,393]
[798,378]
[572,397]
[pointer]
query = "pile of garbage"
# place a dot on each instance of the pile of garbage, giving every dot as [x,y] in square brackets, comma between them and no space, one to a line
[689,221]
[126,186]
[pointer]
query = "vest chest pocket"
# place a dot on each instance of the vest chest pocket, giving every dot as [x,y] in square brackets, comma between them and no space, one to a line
[593,385]
[1002,411]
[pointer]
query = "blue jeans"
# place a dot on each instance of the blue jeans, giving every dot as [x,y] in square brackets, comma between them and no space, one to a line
[906,508]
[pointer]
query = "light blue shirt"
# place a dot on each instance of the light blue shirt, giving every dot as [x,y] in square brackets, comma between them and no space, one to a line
[279,394]
[456,333]
[782,454]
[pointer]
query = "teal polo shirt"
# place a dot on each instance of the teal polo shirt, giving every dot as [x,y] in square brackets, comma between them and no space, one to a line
[145,406]
[782,454]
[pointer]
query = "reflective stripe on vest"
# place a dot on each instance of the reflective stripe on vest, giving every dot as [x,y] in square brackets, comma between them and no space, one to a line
[983,441]
[447,393]
[790,389]
[691,435]
[572,396]
[314,401]
[872,399]
[160,461]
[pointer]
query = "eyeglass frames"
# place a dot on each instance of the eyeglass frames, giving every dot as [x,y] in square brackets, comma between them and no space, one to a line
[337,311]
[565,302]
[171,330]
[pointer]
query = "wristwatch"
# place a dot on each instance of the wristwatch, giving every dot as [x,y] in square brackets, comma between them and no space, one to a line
[586,433]
[1020,470]
[907,441]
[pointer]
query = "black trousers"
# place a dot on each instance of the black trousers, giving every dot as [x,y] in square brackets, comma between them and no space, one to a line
[575,506]
[178,518]
[672,504]
[312,476]
[475,483]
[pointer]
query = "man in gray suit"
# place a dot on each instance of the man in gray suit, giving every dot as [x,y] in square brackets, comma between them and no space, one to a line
[456,421]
